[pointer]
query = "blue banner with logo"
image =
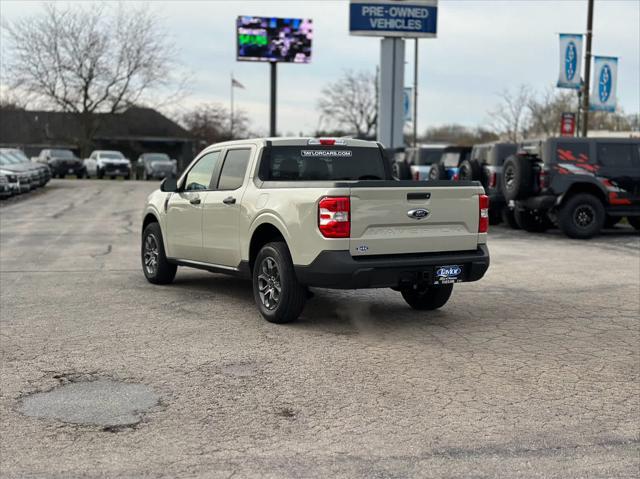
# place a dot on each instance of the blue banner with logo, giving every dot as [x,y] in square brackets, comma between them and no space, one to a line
[605,77]
[389,18]
[570,61]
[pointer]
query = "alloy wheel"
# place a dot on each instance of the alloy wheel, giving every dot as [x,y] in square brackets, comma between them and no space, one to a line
[151,252]
[584,216]
[269,286]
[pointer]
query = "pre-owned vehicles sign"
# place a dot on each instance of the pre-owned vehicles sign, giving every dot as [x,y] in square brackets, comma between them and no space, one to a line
[389,18]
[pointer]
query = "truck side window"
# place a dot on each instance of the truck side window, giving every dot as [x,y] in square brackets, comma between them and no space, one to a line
[619,155]
[233,169]
[199,177]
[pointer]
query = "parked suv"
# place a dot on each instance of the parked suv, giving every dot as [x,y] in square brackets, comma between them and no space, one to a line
[448,168]
[423,155]
[156,166]
[62,162]
[580,184]
[103,163]
[485,165]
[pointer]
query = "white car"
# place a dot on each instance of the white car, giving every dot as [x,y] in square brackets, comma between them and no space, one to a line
[110,163]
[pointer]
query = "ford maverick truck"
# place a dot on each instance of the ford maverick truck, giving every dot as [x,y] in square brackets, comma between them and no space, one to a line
[290,214]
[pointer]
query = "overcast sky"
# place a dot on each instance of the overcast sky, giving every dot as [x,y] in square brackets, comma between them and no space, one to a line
[482,48]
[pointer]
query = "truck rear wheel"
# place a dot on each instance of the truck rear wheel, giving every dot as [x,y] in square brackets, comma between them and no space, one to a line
[425,298]
[277,293]
[582,216]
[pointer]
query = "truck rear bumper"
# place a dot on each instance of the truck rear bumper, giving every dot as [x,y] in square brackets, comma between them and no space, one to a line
[340,270]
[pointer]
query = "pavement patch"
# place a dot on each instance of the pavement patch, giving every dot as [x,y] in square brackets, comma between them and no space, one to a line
[107,403]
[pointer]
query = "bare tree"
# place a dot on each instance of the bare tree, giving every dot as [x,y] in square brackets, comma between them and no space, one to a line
[351,103]
[546,110]
[511,116]
[87,59]
[211,123]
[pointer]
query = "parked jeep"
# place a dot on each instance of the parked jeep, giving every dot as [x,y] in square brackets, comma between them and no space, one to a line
[423,156]
[485,165]
[580,184]
[448,168]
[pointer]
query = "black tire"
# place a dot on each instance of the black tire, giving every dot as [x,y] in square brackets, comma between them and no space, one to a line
[99,173]
[495,216]
[437,172]
[401,170]
[145,175]
[508,216]
[128,177]
[634,221]
[272,268]
[517,177]
[160,272]
[611,221]
[469,171]
[61,175]
[427,297]
[531,221]
[582,216]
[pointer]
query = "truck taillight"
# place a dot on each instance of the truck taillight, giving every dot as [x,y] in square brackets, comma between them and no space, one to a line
[483,205]
[334,216]
[493,180]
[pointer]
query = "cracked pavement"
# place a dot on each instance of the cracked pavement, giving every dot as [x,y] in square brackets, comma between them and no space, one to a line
[531,372]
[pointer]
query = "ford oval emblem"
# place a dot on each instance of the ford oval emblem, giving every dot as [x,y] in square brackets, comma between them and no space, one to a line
[418,213]
[570,60]
[448,271]
[604,86]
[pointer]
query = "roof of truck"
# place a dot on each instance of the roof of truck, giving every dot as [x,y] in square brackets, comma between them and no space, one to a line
[299,141]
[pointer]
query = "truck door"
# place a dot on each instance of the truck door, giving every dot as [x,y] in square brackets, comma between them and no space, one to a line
[222,209]
[184,210]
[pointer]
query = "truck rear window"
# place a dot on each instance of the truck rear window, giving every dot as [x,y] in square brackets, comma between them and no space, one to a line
[317,163]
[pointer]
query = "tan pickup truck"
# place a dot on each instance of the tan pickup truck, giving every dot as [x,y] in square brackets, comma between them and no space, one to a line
[297,213]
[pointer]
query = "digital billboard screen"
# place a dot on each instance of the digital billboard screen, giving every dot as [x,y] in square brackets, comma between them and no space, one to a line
[268,39]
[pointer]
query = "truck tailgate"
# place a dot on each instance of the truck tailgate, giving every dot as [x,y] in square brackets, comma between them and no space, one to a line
[384,219]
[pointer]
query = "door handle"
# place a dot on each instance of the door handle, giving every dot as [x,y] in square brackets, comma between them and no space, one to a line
[229,200]
[195,201]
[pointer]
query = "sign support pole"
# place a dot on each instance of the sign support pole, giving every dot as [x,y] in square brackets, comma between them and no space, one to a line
[391,120]
[415,95]
[272,113]
[587,71]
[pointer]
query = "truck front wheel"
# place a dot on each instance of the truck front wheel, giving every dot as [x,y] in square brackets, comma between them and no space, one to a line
[427,297]
[277,293]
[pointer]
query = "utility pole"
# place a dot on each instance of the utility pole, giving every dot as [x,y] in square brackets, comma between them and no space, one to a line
[415,94]
[274,93]
[587,71]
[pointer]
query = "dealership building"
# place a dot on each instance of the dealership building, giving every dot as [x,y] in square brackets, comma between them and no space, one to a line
[133,132]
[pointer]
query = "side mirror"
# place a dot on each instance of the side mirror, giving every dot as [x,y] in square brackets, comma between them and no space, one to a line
[169,185]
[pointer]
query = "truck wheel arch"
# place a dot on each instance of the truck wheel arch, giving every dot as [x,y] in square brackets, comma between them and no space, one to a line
[263,234]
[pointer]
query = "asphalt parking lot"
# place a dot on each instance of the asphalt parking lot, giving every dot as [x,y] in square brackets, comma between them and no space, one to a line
[531,372]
